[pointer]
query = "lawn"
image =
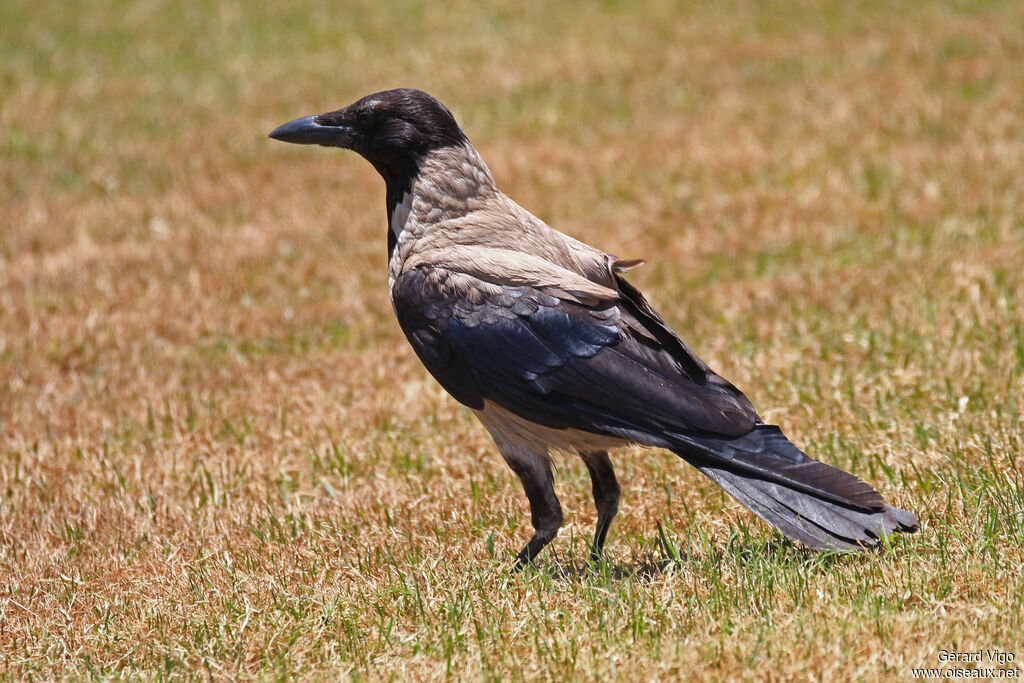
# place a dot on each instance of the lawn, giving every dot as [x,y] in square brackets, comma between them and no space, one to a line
[220,459]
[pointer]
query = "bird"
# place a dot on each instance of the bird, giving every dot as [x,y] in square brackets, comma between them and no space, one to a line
[544,339]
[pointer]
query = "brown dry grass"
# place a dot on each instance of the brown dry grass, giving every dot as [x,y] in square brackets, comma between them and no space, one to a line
[219,458]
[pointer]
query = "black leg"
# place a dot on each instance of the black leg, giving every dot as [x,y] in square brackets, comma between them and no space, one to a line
[606,496]
[545,510]
[534,471]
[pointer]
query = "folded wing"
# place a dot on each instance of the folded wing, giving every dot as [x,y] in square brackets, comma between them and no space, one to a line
[601,368]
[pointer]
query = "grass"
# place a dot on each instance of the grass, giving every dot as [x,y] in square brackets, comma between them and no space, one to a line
[219,459]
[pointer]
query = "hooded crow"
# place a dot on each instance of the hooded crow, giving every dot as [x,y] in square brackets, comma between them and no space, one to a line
[552,349]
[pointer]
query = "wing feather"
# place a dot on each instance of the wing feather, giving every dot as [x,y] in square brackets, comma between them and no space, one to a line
[562,363]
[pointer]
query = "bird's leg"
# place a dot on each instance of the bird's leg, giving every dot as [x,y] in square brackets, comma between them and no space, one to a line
[606,496]
[528,458]
[545,510]
[534,471]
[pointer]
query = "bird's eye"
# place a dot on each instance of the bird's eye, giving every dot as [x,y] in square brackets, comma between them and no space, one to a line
[365,119]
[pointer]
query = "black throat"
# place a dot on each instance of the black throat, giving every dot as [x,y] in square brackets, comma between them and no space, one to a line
[398,179]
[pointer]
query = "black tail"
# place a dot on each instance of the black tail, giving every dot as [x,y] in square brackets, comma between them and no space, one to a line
[808,501]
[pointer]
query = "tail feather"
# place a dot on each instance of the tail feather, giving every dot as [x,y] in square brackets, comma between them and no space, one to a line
[808,501]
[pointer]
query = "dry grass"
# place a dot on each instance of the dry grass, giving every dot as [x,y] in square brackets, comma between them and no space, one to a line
[219,458]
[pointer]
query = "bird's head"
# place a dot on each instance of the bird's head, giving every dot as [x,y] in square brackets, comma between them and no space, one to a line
[387,128]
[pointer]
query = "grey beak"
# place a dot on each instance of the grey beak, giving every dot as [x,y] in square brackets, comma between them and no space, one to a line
[306,131]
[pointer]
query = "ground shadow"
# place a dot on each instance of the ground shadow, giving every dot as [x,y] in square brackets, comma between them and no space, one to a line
[781,553]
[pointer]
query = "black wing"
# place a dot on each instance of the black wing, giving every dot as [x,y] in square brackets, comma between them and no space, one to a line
[613,368]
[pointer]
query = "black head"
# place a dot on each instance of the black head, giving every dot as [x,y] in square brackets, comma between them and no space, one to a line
[386,128]
[392,130]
